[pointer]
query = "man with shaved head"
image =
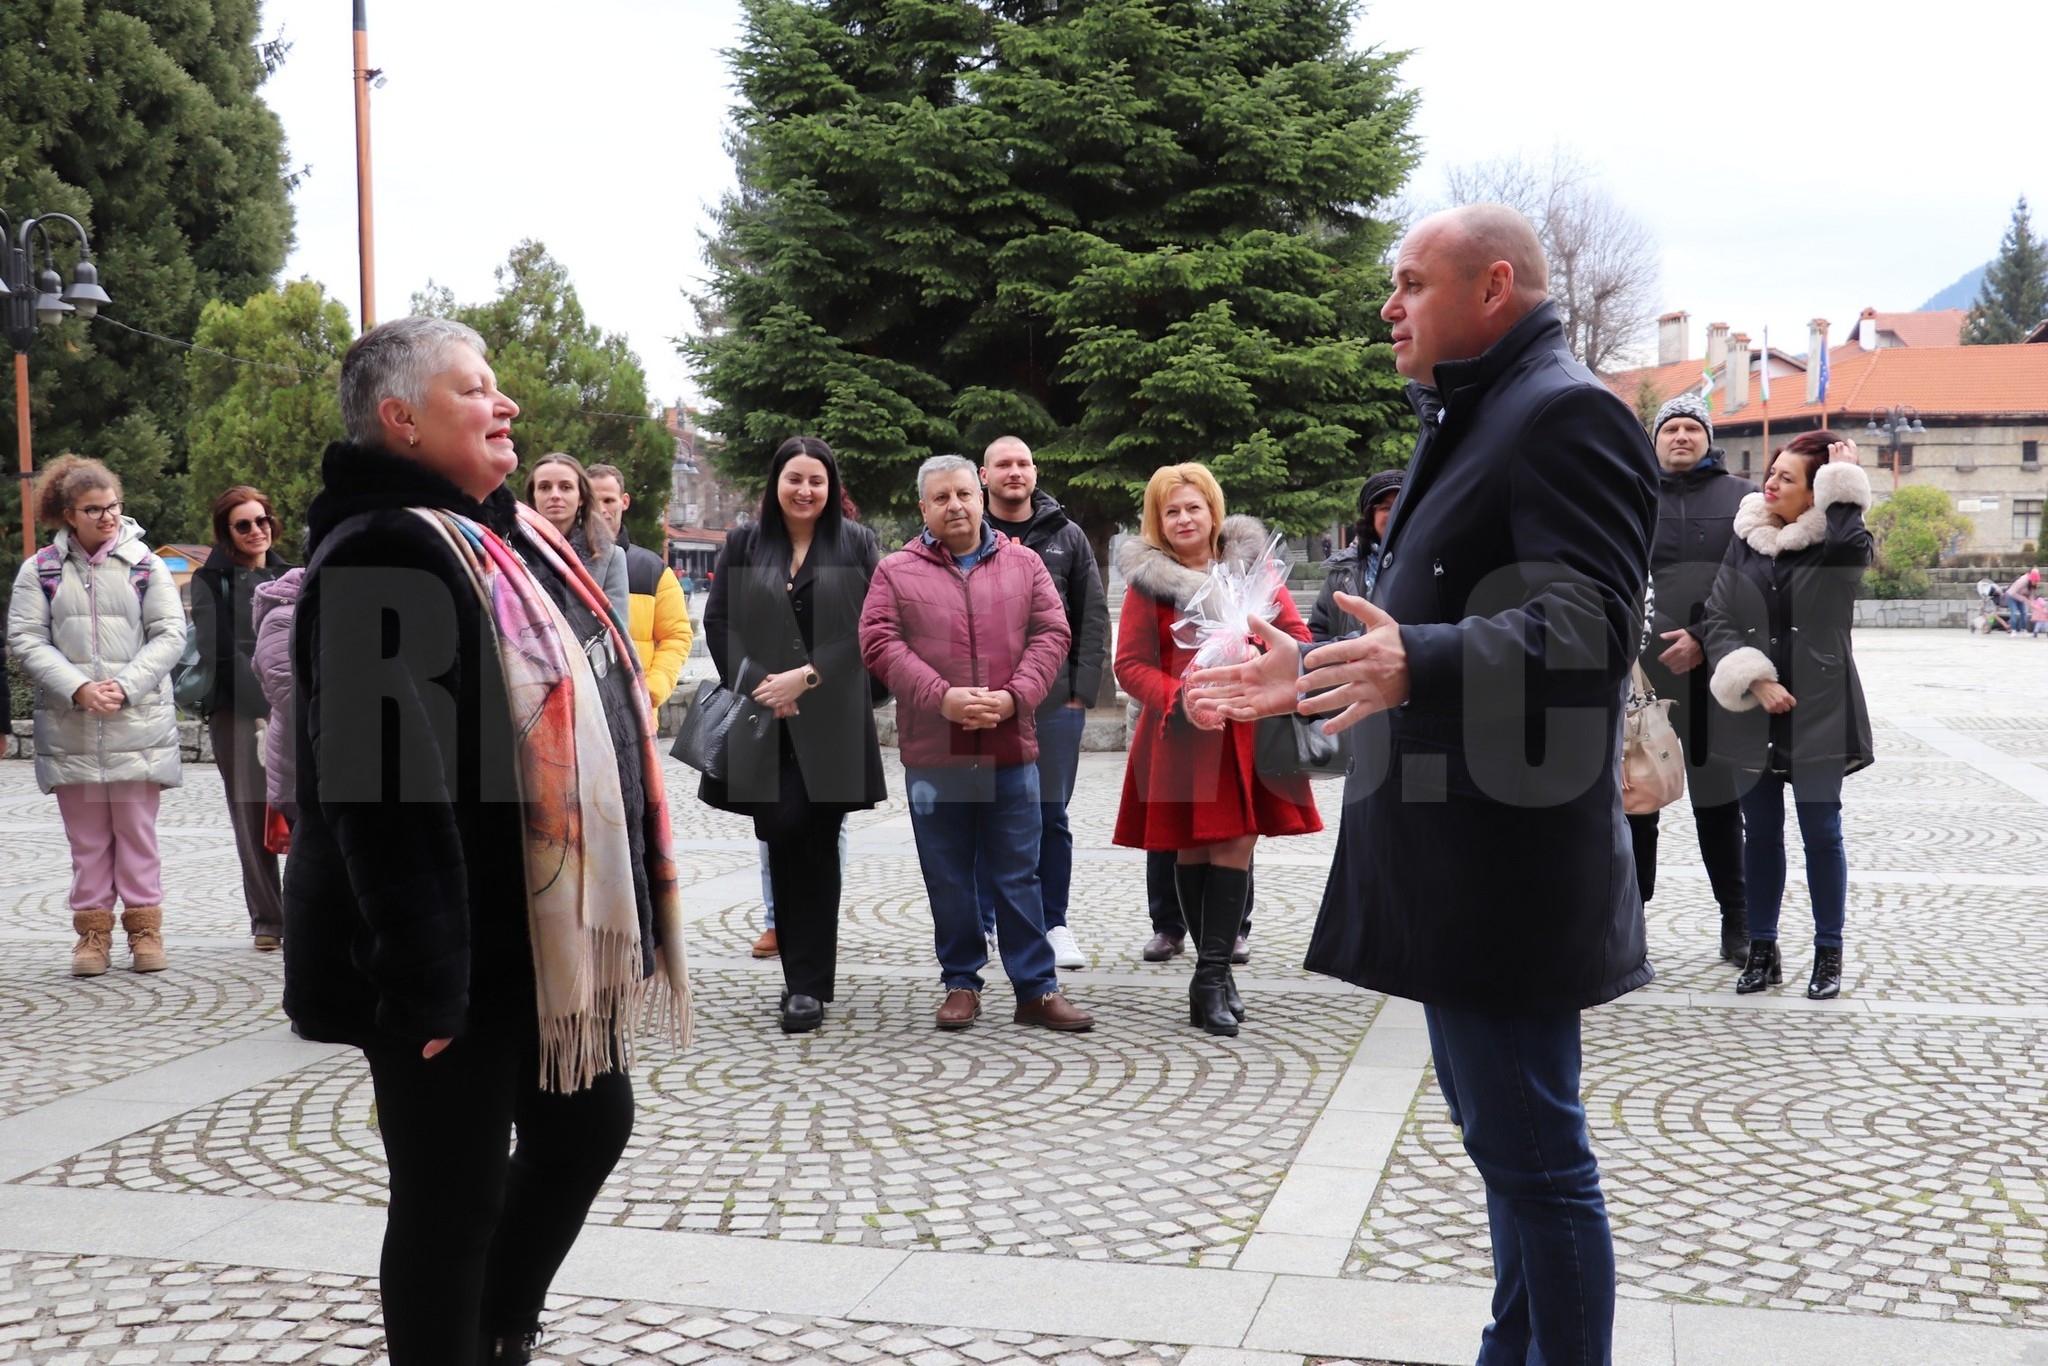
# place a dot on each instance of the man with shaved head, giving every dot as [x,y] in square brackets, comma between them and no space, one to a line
[1484,866]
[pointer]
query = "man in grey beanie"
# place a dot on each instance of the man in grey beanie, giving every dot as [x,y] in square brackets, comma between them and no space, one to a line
[1696,502]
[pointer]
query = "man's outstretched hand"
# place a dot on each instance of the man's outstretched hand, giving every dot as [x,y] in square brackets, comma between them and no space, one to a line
[1354,677]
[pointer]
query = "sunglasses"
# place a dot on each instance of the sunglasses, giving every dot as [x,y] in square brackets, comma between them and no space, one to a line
[249,524]
[94,512]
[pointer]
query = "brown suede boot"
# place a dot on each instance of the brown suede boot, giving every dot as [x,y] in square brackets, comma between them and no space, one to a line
[95,947]
[145,926]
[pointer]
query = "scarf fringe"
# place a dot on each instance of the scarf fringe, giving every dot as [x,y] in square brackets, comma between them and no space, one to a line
[596,1035]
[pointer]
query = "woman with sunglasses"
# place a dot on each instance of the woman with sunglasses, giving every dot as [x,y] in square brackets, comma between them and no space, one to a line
[223,622]
[95,624]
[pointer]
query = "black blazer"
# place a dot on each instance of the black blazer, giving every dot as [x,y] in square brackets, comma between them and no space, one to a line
[230,635]
[758,616]
[1484,862]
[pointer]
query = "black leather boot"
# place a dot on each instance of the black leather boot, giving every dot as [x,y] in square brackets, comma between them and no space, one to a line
[1735,934]
[1222,913]
[1826,982]
[516,1350]
[1761,969]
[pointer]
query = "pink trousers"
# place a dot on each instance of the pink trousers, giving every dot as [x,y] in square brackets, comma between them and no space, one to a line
[112,829]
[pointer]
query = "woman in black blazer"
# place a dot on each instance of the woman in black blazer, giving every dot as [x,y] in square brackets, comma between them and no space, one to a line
[1778,626]
[783,626]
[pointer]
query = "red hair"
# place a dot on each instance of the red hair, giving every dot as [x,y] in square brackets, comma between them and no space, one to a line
[1812,450]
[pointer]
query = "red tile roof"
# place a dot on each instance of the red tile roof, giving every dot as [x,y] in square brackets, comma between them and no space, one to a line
[1666,381]
[1940,327]
[1940,381]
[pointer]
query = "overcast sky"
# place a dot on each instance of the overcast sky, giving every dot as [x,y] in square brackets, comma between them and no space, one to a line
[1794,160]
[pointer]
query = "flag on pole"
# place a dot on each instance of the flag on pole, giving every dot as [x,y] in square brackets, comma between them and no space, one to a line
[1822,396]
[1707,387]
[1764,389]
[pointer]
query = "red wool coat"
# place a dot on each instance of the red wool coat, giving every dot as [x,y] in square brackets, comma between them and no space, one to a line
[1185,787]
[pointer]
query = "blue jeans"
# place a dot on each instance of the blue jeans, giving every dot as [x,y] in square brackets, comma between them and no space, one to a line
[978,813]
[1512,1085]
[1059,764]
[1819,803]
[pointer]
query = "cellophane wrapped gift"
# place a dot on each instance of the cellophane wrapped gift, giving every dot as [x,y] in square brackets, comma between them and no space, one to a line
[1216,624]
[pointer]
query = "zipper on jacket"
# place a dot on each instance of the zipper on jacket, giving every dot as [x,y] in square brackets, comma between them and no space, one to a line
[973,645]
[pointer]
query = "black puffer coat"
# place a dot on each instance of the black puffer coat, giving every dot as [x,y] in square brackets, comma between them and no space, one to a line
[1782,608]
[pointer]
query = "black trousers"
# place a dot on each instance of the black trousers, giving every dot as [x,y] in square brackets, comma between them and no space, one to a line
[803,872]
[1164,902]
[474,1235]
[1710,782]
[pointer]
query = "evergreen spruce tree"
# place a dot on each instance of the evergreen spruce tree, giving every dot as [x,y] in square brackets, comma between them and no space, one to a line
[1133,232]
[579,389]
[139,118]
[2014,296]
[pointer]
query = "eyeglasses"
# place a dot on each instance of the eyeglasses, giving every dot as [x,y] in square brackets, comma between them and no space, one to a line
[93,512]
[249,524]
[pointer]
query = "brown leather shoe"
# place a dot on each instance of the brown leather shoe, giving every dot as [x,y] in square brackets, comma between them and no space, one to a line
[767,946]
[962,1009]
[1163,946]
[1054,1012]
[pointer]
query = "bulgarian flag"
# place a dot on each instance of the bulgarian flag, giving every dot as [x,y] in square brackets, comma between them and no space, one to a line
[1764,381]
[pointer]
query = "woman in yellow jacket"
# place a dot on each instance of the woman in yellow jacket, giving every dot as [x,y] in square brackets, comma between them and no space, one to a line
[658,613]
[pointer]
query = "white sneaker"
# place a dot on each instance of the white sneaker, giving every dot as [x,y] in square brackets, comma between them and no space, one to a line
[1065,952]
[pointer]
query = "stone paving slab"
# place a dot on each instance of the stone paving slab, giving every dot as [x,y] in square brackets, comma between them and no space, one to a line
[70,1311]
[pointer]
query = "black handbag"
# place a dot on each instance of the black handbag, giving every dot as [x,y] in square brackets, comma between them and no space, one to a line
[719,718]
[1296,746]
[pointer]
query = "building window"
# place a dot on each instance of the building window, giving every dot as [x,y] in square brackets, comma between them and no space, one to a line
[2030,452]
[1904,457]
[1745,460]
[2026,519]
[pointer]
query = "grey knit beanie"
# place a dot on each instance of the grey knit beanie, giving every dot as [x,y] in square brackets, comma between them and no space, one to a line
[1685,405]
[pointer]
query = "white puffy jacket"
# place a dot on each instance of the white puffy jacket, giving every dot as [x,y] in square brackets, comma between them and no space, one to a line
[93,630]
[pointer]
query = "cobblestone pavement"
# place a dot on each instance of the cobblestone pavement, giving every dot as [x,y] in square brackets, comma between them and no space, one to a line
[1879,1156]
[71,1311]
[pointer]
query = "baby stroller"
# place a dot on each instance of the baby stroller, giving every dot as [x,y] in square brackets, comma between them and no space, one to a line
[1990,610]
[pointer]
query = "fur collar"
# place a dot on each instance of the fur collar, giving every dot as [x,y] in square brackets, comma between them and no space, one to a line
[1769,538]
[1162,578]
[1837,482]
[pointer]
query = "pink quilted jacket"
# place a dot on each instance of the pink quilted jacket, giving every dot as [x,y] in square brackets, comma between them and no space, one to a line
[927,627]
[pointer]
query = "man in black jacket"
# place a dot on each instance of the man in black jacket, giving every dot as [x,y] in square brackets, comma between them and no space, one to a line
[1019,510]
[1483,867]
[1696,502]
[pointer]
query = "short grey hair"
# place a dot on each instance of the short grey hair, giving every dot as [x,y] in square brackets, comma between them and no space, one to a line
[395,360]
[943,464]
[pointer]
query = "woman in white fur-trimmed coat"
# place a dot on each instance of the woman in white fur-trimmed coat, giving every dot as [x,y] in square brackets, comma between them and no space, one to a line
[1778,639]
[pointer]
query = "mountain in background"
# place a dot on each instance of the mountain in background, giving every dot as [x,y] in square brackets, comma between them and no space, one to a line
[1961,294]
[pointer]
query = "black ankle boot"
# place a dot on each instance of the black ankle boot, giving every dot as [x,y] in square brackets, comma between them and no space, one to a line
[1762,968]
[1826,982]
[1230,996]
[516,1350]
[1735,934]
[1222,913]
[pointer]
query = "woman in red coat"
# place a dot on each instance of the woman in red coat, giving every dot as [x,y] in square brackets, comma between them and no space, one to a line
[1191,784]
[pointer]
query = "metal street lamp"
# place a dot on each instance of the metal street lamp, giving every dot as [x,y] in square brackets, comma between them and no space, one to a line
[1890,427]
[29,297]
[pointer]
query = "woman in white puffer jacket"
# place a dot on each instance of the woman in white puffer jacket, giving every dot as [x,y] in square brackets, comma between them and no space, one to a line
[96,624]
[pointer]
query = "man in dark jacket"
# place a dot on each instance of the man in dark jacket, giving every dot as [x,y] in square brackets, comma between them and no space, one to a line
[1696,502]
[1484,867]
[1017,508]
[1355,568]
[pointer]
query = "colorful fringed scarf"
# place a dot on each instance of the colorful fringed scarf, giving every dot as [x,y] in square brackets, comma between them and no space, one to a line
[581,911]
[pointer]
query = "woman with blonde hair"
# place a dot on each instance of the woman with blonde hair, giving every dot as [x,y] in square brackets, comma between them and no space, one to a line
[1192,784]
[558,488]
[96,624]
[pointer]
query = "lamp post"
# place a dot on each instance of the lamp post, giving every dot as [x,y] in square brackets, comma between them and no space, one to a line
[29,297]
[1888,426]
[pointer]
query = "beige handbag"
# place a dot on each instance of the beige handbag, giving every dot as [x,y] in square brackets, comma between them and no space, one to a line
[1652,764]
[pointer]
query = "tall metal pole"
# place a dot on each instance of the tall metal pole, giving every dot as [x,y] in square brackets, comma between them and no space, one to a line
[365,230]
[28,464]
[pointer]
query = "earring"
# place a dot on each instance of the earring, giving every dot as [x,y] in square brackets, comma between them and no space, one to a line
[412,438]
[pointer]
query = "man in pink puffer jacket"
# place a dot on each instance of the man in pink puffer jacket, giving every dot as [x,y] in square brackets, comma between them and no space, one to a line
[966,629]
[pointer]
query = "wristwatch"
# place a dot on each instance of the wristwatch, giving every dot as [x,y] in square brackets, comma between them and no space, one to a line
[810,677]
